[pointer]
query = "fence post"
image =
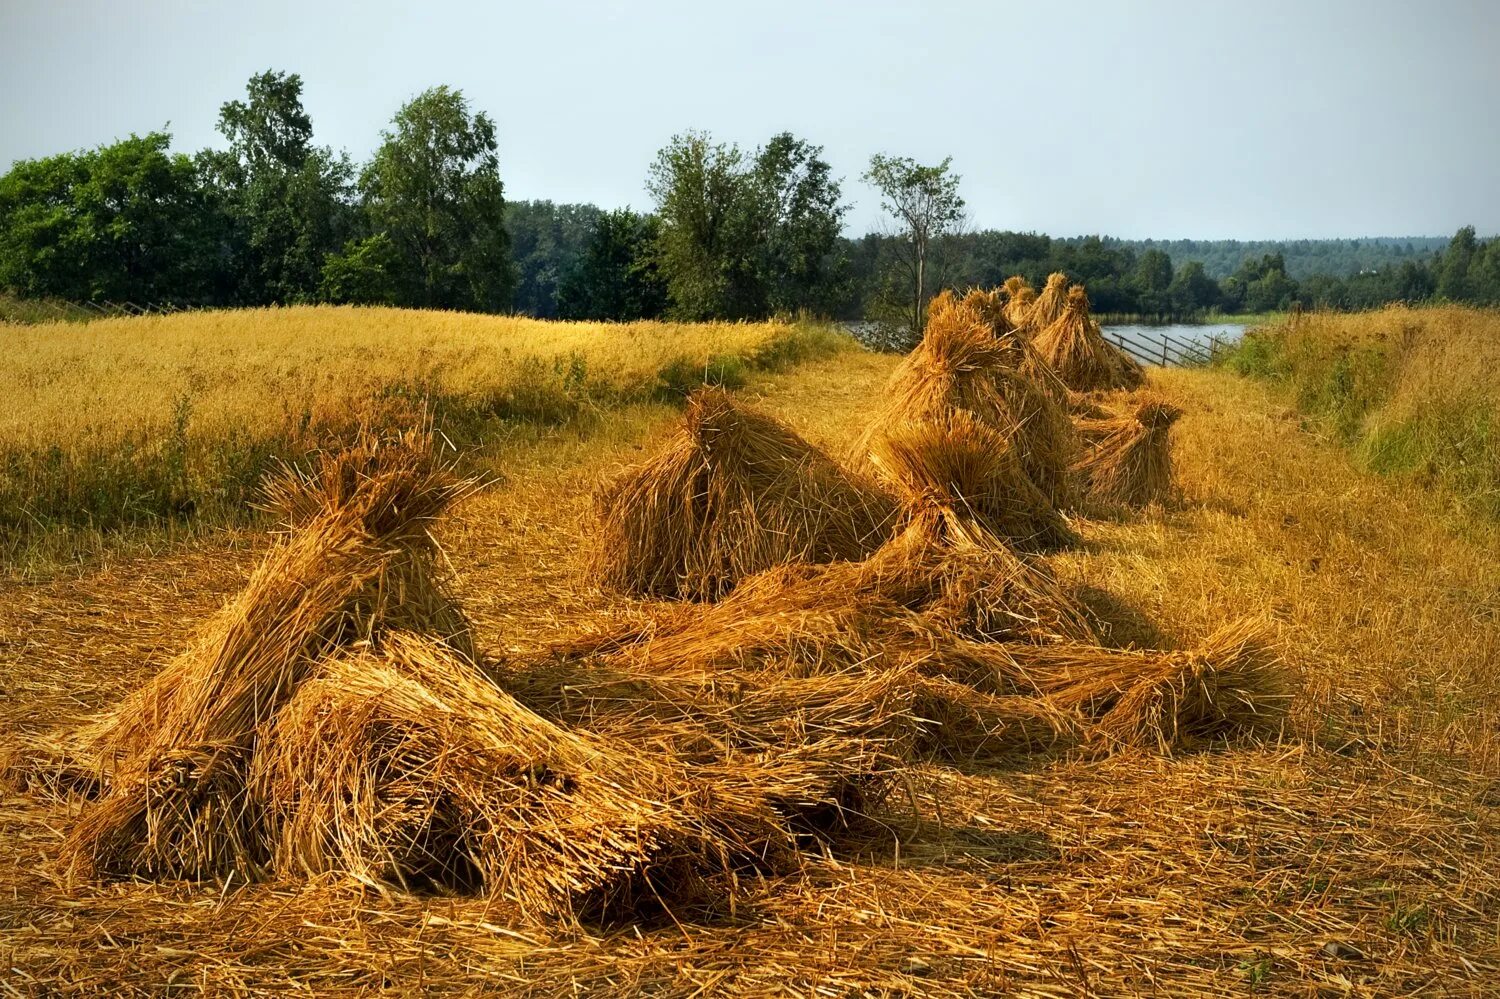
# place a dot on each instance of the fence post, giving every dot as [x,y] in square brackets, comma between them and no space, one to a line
[1164,350]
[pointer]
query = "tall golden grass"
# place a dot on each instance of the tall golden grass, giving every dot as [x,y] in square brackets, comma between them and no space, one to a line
[1414,391]
[150,419]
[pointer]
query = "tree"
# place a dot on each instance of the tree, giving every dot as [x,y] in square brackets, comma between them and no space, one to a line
[1453,271]
[363,273]
[1153,280]
[708,242]
[616,277]
[434,188]
[127,222]
[743,237]
[288,201]
[546,242]
[1193,291]
[925,202]
[797,202]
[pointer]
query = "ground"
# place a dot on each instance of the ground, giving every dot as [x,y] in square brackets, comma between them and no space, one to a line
[1356,854]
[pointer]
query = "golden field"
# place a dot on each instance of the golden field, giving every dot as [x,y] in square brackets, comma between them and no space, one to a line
[1414,391]
[1356,853]
[144,421]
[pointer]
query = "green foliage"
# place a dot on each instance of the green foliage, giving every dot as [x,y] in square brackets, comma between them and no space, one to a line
[800,216]
[1192,292]
[1153,282]
[707,228]
[434,188]
[286,201]
[547,242]
[363,273]
[1347,388]
[617,277]
[744,237]
[124,222]
[1256,355]
[925,203]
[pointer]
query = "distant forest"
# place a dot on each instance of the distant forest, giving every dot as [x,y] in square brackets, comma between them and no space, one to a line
[731,233]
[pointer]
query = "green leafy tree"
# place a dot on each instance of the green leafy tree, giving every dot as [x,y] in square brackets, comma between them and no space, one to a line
[127,222]
[434,188]
[288,201]
[546,242]
[616,278]
[710,228]
[801,217]
[1153,283]
[363,273]
[1193,291]
[1453,271]
[925,202]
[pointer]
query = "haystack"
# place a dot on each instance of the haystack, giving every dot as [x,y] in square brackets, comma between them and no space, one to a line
[1019,298]
[172,758]
[915,625]
[941,302]
[962,460]
[1127,459]
[1048,306]
[731,493]
[961,365]
[1073,347]
[409,766]
[1234,683]
[990,306]
[333,718]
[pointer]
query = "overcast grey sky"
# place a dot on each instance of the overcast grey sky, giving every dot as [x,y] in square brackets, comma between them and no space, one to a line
[1267,119]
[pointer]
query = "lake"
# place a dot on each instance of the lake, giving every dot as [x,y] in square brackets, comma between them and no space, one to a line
[1142,335]
[1144,342]
[1196,332]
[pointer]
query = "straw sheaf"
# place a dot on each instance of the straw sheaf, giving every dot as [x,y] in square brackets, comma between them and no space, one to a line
[1073,347]
[1049,304]
[410,767]
[960,463]
[1233,683]
[731,493]
[961,366]
[1020,297]
[990,307]
[1127,459]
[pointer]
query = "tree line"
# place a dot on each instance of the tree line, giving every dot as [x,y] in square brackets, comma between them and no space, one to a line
[273,217]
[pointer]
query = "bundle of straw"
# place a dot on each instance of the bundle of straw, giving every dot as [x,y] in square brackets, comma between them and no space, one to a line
[1048,306]
[1233,683]
[1019,299]
[1073,347]
[956,458]
[172,758]
[1127,459]
[729,494]
[961,366]
[409,766]
[989,306]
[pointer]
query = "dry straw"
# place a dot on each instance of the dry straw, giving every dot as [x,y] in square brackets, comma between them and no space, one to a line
[333,718]
[1233,683]
[1127,459]
[730,493]
[1048,306]
[989,306]
[960,365]
[1019,298]
[1073,347]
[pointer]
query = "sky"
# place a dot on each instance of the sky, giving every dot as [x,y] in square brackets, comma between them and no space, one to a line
[1146,119]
